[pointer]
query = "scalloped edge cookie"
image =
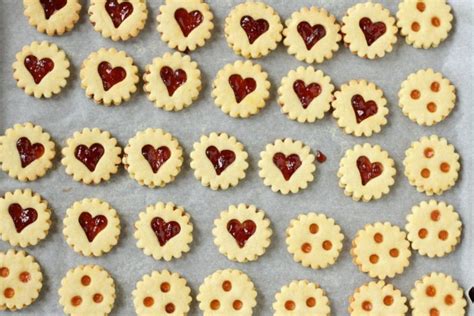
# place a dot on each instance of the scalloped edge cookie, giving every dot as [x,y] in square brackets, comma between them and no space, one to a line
[301,298]
[377,298]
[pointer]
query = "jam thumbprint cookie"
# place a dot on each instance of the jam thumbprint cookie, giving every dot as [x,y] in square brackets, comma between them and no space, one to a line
[227,292]
[53,17]
[26,152]
[185,24]
[369,30]
[377,299]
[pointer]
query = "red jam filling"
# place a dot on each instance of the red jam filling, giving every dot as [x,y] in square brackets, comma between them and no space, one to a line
[188,21]
[118,12]
[172,79]
[241,231]
[89,156]
[51,6]
[368,170]
[28,152]
[253,28]
[363,109]
[22,217]
[306,93]
[220,159]
[92,225]
[372,31]
[241,87]
[320,157]
[156,157]
[164,231]
[110,76]
[310,34]
[287,164]
[38,68]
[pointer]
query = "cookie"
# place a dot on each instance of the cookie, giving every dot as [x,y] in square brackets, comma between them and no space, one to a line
[153,157]
[172,82]
[366,172]
[109,77]
[305,94]
[360,108]
[41,69]
[434,228]
[286,166]
[253,29]
[377,298]
[242,233]
[369,30]
[312,35]
[26,152]
[185,24]
[91,156]
[426,97]
[314,240]
[164,231]
[227,292]
[432,165]
[219,161]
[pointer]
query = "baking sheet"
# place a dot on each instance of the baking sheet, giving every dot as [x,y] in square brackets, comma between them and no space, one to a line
[72,110]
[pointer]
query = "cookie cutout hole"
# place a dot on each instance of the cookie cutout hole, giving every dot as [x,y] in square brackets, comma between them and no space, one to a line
[415,94]
[97,298]
[148,301]
[388,300]
[86,280]
[306,248]
[429,152]
[430,291]
[394,252]
[25,277]
[435,215]
[227,286]
[367,306]
[4,272]
[9,292]
[237,305]
[327,245]
[76,300]
[425,173]
[435,86]
[290,305]
[215,305]
[313,228]
[165,287]
[169,308]
[420,6]
[449,300]
[434,312]
[378,238]
[435,21]
[422,233]
[443,235]
[374,259]
[311,302]
[445,167]
[431,107]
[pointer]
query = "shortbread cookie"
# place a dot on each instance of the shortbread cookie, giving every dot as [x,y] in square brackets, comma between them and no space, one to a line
[434,228]
[426,97]
[437,294]
[53,17]
[305,94]
[91,156]
[26,152]
[25,218]
[87,290]
[301,298]
[227,292]
[172,82]
[314,240]
[21,280]
[164,231]
[153,157]
[360,108]
[118,19]
[185,24]
[369,30]
[253,29]
[432,165]
[219,161]
[366,172]
[287,166]
[41,69]
[378,299]
[242,233]
[109,77]
[241,89]
[162,293]
[424,23]
[381,250]
[91,227]
[312,35]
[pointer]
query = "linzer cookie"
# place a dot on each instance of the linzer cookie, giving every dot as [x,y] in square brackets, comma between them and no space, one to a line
[41,69]
[185,24]
[26,152]
[377,298]
[53,17]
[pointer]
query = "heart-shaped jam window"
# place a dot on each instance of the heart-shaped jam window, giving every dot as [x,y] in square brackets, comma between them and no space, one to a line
[220,159]
[156,157]
[310,34]
[118,12]
[368,170]
[172,79]
[306,93]
[51,6]
[38,68]
[363,109]
[187,21]
[110,76]
[22,217]
[253,28]
[242,87]
[89,156]
[28,152]
[241,231]
[372,31]
[287,164]
[164,231]
[92,225]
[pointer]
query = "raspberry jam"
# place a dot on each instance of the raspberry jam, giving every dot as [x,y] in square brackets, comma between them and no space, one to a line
[241,87]
[92,225]
[220,159]
[38,68]
[164,231]
[188,21]
[51,6]
[156,157]
[287,164]
[89,156]
[310,34]
[28,152]
[363,109]
[22,217]
[110,76]
[320,157]
[118,12]
[372,31]
[254,28]
[368,170]
[241,231]
[306,93]
[173,79]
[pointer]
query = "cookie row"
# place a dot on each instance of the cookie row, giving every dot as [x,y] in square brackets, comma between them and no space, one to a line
[91,290]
